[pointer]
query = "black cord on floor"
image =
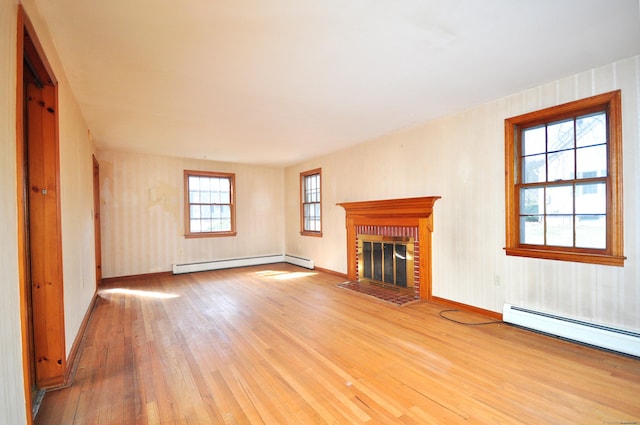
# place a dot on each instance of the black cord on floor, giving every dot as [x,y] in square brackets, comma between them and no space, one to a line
[493,322]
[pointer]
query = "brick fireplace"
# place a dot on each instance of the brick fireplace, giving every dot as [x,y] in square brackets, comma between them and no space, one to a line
[408,219]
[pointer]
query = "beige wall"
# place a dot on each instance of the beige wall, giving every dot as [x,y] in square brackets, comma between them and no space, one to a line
[12,401]
[76,211]
[461,158]
[142,213]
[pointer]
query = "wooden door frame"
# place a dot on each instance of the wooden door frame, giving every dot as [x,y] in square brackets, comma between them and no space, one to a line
[29,47]
[96,220]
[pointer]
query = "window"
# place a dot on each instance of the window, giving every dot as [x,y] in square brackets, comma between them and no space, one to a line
[311,205]
[564,182]
[209,204]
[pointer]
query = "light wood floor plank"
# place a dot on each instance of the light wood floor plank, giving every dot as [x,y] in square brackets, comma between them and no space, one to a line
[283,345]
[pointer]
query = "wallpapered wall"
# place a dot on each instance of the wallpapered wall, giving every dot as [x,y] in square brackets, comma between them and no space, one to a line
[461,158]
[142,213]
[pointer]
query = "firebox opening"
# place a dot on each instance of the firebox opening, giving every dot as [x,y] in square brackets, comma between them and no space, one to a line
[386,260]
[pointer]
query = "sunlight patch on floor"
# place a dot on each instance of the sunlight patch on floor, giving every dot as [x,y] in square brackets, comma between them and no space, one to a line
[139,293]
[283,275]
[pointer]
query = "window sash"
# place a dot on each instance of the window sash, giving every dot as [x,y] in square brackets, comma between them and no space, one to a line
[585,138]
[311,202]
[209,206]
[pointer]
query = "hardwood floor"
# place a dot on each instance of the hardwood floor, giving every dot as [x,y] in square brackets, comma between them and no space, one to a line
[284,345]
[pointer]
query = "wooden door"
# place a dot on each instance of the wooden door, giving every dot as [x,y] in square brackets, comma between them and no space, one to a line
[44,232]
[96,219]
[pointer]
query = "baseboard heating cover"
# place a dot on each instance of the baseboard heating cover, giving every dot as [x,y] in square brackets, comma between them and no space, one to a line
[242,262]
[620,340]
[299,261]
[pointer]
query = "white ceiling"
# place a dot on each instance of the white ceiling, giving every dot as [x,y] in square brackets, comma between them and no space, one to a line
[279,81]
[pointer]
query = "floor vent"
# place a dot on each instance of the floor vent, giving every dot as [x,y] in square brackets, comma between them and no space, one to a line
[241,262]
[620,340]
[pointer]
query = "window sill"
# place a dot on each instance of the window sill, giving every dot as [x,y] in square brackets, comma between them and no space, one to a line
[578,257]
[209,235]
[315,234]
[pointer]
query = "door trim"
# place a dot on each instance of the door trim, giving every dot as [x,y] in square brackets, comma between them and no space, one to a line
[96,220]
[29,47]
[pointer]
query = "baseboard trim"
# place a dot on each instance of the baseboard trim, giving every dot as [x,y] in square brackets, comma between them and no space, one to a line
[467,307]
[331,272]
[73,357]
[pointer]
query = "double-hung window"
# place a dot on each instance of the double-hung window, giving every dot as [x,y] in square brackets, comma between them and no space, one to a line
[564,182]
[311,203]
[209,204]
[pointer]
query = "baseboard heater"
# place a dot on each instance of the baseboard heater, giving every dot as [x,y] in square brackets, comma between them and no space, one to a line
[242,262]
[620,340]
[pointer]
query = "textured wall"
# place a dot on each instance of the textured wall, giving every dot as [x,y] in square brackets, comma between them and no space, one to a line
[142,213]
[461,158]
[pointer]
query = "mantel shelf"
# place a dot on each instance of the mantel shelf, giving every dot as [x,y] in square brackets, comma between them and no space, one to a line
[411,207]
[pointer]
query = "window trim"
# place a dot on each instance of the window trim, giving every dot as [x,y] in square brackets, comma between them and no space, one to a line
[304,174]
[187,204]
[612,255]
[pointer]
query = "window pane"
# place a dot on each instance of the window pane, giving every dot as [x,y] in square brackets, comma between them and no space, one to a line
[561,166]
[225,212]
[225,185]
[194,225]
[560,136]
[531,201]
[194,183]
[591,198]
[205,211]
[532,230]
[312,188]
[591,231]
[206,225]
[194,197]
[533,141]
[533,169]
[592,161]
[195,211]
[204,184]
[205,197]
[591,130]
[560,230]
[224,197]
[214,184]
[560,200]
